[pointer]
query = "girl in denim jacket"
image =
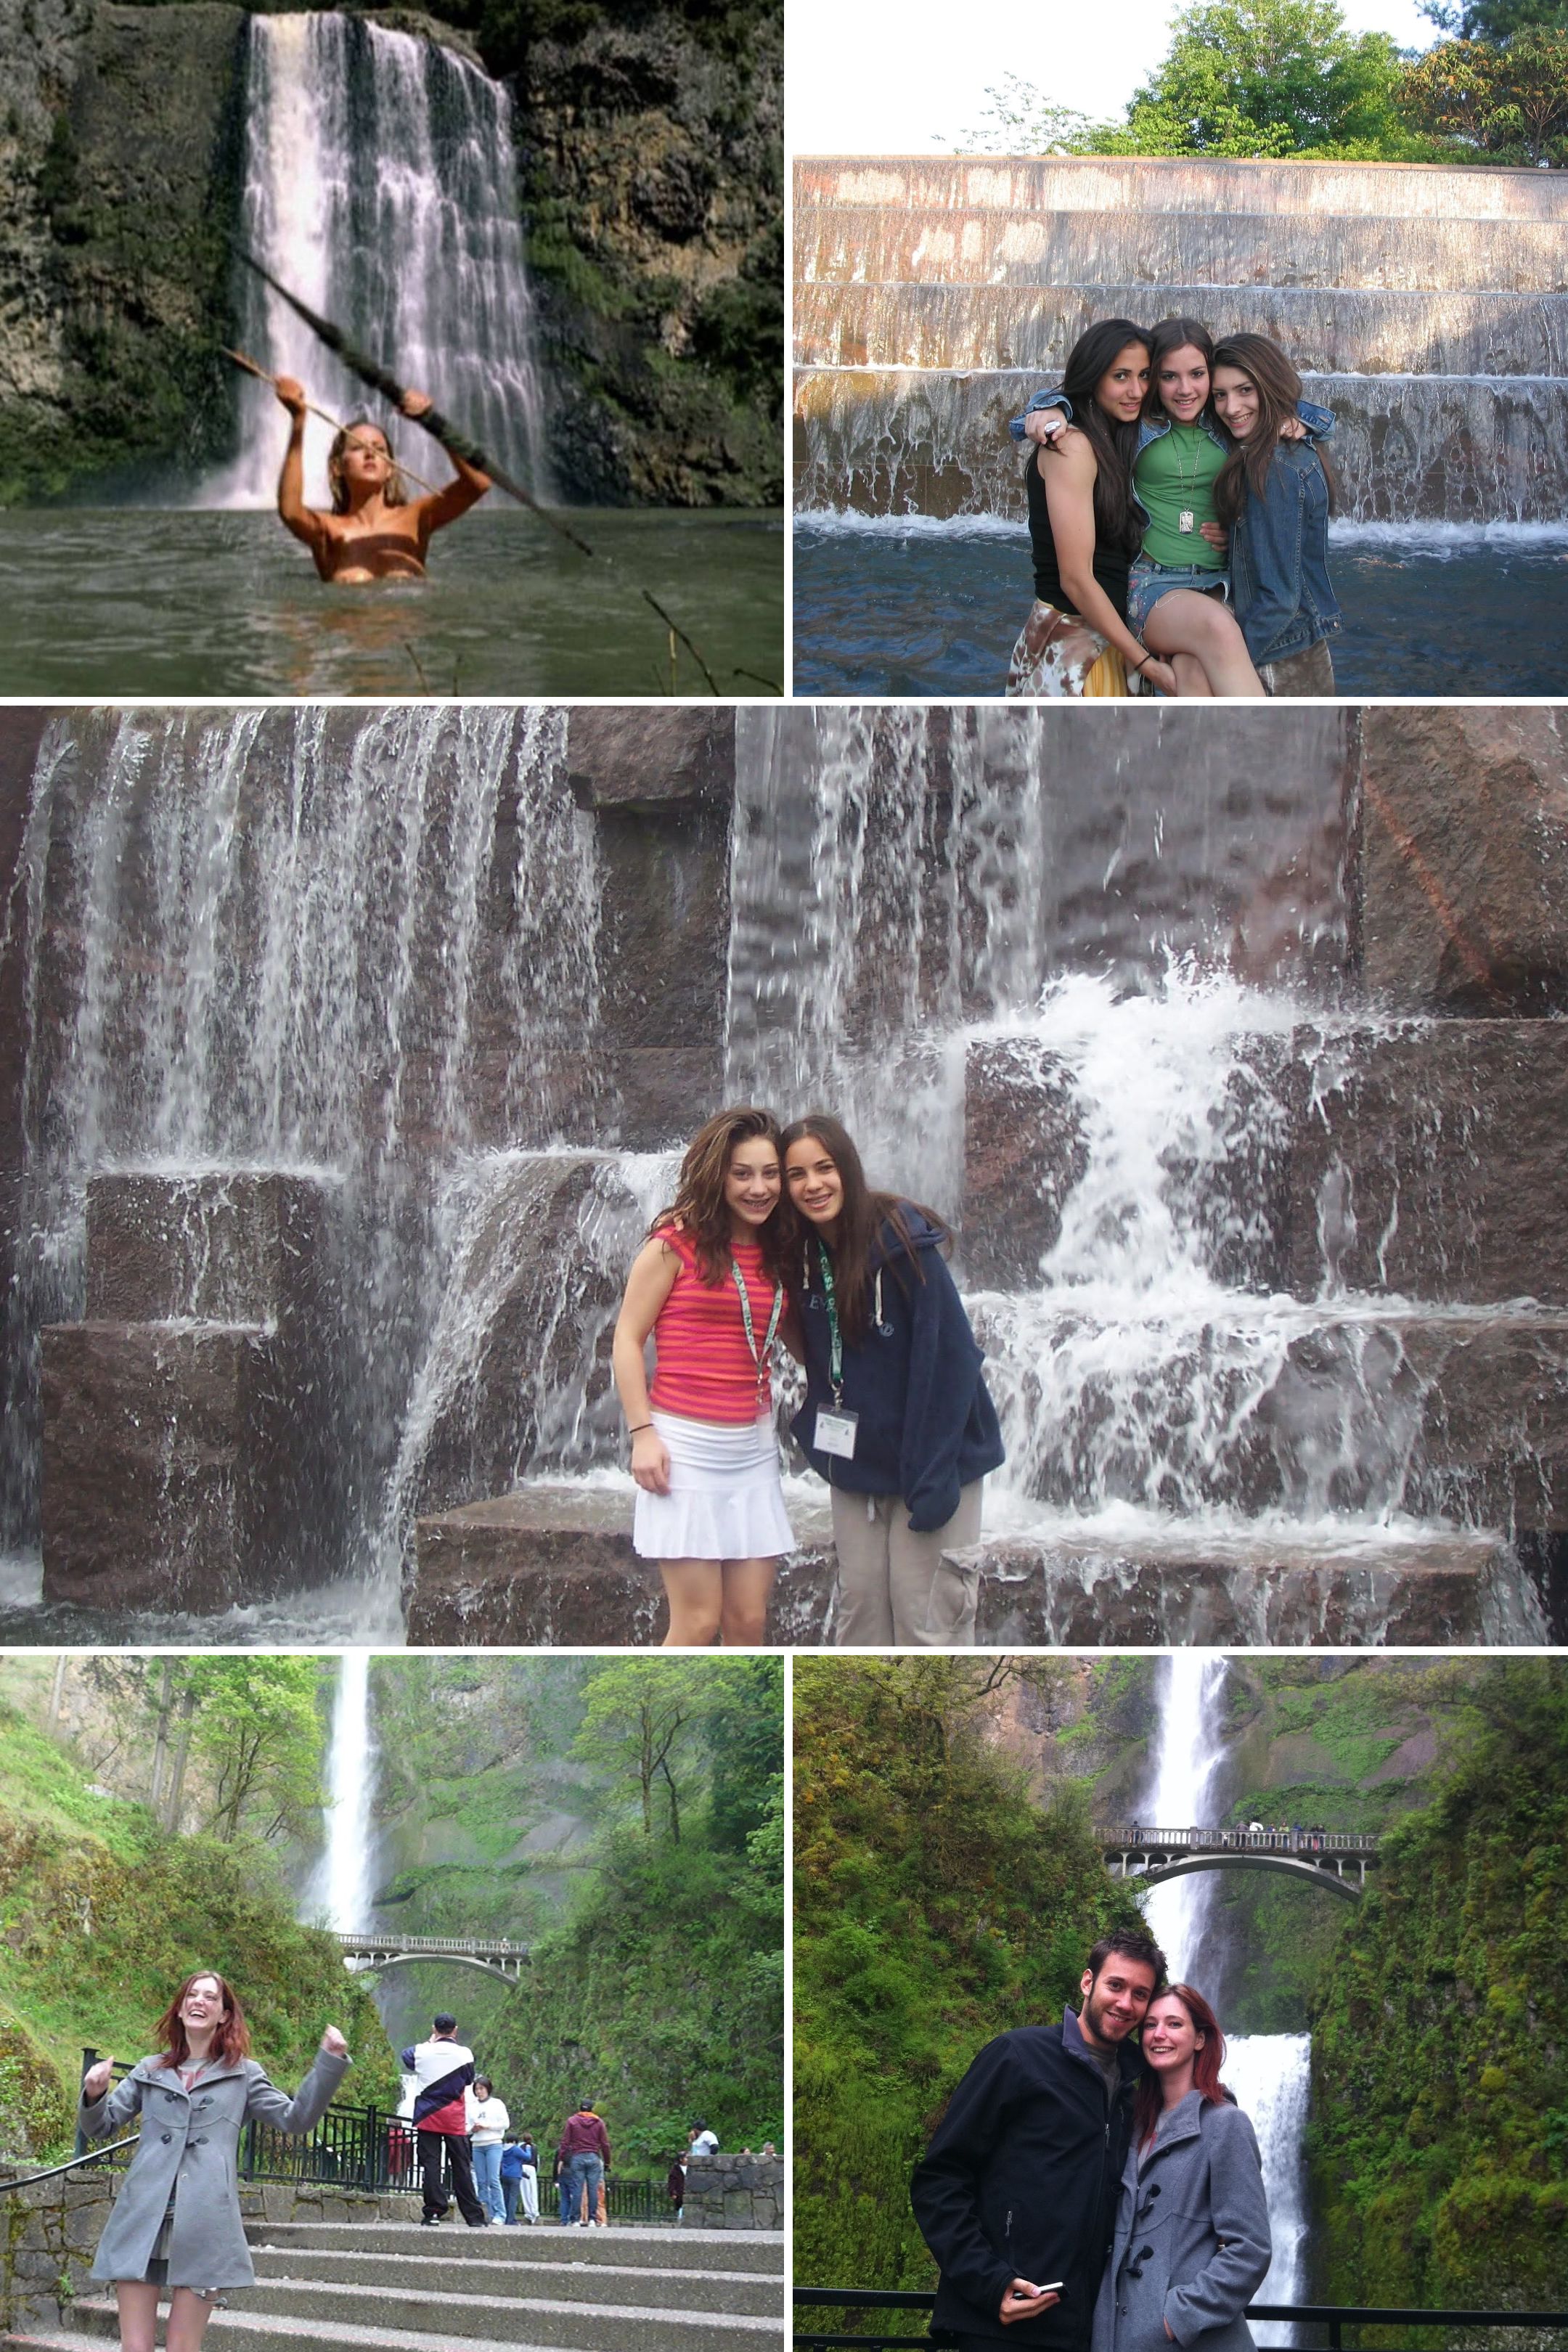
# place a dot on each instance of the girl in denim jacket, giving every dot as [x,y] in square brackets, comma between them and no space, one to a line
[1275,499]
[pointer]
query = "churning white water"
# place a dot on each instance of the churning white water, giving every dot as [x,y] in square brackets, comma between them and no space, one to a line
[381,188]
[340,1890]
[1268,2073]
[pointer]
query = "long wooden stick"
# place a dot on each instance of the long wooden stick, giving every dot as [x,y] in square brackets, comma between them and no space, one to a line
[440,429]
[252,367]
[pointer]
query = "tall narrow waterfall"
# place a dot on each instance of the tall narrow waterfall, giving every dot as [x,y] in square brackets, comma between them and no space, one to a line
[344,1881]
[1268,2073]
[381,187]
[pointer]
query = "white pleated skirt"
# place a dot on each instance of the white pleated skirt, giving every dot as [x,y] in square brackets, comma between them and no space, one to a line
[724,1502]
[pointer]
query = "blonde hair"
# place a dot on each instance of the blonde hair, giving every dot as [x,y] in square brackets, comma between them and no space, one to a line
[394,495]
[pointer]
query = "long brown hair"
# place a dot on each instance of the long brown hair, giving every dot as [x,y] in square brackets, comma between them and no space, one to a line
[1175,335]
[231,2039]
[1149,2103]
[700,1208]
[395,494]
[1114,445]
[1277,383]
[860,1220]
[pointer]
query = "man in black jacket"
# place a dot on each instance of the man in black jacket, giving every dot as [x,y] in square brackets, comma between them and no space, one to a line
[1016,2194]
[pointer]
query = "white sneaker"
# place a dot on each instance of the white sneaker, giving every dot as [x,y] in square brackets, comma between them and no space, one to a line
[496,2221]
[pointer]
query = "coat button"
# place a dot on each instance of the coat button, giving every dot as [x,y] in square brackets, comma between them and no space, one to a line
[201,2140]
[167,2137]
[1144,2252]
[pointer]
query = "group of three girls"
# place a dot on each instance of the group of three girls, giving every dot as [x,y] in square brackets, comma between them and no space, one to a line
[1179,506]
[775,1236]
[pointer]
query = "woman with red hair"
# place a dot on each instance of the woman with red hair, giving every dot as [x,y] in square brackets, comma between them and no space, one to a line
[1192,2244]
[175,2231]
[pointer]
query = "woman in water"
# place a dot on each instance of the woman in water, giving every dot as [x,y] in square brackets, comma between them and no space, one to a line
[1192,2244]
[1275,497]
[175,2230]
[897,1416]
[1084,529]
[1178,586]
[708,1285]
[375,531]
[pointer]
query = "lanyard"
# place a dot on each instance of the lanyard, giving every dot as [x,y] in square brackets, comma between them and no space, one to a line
[759,1357]
[835,1339]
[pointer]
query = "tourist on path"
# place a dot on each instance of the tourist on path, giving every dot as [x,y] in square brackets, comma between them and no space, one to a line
[1016,2195]
[1274,496]
[897,1416]
[520,2177]
[487,2121]
[582,2159]
[708,1284]
[1084,529]
[175,2230]
[443,2069]
[1192,2243]
[375,531]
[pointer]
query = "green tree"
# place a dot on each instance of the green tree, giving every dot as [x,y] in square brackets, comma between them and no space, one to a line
[1509,103]
[1496,20]
[257,1729]
[1290,68]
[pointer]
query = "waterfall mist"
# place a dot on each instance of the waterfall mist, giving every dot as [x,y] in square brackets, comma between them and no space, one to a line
[344,1881]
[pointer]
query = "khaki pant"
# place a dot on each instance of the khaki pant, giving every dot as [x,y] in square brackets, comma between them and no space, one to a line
[893,1588]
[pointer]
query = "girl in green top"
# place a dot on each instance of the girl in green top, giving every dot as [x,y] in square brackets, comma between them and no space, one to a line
[1178,594]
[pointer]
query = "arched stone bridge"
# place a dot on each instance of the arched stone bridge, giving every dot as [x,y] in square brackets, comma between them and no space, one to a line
[494,1956]
[1337,1860]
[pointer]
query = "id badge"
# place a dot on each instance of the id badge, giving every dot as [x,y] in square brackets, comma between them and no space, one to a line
[836,1432]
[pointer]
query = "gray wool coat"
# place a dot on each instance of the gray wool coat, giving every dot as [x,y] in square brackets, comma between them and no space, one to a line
[189,2152]
[1192,2243]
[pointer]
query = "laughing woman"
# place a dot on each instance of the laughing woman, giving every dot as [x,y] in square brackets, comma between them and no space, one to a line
[1275,498]
[708,1284]
[175,2231]
[897,1416]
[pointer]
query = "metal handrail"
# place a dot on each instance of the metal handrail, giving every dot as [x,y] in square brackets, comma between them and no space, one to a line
[1334,2317]
[93,2156]
[1237,1837]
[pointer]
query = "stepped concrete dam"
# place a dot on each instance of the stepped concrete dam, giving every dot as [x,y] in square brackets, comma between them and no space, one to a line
[348,1053]
[1427,306]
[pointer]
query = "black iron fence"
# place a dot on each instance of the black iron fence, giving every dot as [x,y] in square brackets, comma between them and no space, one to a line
[369,2149]
[1334,2328]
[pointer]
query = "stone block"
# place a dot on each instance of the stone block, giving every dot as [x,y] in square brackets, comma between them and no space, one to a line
[1181,1587]
[230,1246]
[663,925]
[1461,870]
[165,1464]
[551,1566]
[1430,1161]
[646,758]
[521,1363]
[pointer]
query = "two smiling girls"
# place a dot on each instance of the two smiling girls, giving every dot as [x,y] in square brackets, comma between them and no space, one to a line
[774,1234]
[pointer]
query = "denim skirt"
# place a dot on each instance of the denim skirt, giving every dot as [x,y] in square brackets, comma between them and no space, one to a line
[1149,581]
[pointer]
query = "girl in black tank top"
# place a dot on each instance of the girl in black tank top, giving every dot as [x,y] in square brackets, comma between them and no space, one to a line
[1111,564]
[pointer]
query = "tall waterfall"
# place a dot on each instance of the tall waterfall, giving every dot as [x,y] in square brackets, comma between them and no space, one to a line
[1268,2073]
[381,187]
[344,1881]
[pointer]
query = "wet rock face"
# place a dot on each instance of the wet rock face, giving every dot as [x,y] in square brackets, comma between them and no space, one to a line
[1463,865]
[1024,1151]
[651,184]
[114,276]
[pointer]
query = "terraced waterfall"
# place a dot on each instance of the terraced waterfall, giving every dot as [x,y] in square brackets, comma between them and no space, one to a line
[1428,307]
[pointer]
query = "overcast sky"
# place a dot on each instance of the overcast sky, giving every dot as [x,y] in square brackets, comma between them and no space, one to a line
[869,77]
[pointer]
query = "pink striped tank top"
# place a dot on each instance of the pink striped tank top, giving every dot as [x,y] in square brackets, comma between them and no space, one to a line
[703,1366]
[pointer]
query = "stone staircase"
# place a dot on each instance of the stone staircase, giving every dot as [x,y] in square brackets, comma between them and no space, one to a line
[397,2285]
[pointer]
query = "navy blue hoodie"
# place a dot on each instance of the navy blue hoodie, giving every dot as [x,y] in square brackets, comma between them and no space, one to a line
[927,1424]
